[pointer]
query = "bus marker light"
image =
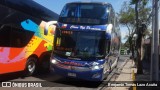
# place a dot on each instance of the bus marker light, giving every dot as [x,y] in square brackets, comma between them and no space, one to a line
[97,67]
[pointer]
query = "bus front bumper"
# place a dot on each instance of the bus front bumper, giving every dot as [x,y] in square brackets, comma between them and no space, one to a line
[78,72]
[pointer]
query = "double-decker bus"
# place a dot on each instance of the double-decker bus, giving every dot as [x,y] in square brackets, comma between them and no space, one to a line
[87,41]
[26,36]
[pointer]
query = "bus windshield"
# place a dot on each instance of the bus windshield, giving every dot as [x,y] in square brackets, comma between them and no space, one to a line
[84,14]
[80,44]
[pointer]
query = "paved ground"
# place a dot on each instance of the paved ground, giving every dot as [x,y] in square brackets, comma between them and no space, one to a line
[125,77]
[146,76]
[59,83]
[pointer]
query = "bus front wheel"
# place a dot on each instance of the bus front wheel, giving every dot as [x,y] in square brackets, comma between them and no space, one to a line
[30,66]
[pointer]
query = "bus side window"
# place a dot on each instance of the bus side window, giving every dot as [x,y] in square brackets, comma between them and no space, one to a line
[20,37]
[57,38]
[5,32]
[17,38]
[58,41]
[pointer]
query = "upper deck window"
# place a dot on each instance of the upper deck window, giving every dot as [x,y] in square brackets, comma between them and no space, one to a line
[84,13]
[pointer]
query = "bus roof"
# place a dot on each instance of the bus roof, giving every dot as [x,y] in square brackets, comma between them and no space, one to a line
[32,8]
[103,3]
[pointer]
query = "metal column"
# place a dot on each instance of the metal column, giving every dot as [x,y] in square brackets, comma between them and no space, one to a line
[155,43]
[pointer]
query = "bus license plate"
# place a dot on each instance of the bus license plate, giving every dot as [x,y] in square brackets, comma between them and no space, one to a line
[72,74]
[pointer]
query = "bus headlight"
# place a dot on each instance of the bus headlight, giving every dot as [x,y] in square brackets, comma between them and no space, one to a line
[97,67]
[53,61]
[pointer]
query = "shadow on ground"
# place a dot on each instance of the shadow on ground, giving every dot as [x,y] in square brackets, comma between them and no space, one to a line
[51,80]
[11,76]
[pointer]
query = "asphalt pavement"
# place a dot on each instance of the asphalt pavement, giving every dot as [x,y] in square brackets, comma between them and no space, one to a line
[56,82]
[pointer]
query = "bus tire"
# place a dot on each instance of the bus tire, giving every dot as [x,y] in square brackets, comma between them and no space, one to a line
[45,64]
[31,66]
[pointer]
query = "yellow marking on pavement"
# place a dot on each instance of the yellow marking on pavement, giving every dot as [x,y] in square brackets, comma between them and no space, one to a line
[133,78]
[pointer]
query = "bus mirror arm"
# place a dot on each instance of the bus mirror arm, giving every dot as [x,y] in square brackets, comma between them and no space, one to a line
[108,55]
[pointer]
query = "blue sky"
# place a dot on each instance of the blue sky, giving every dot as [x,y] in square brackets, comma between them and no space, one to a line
[57,5]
